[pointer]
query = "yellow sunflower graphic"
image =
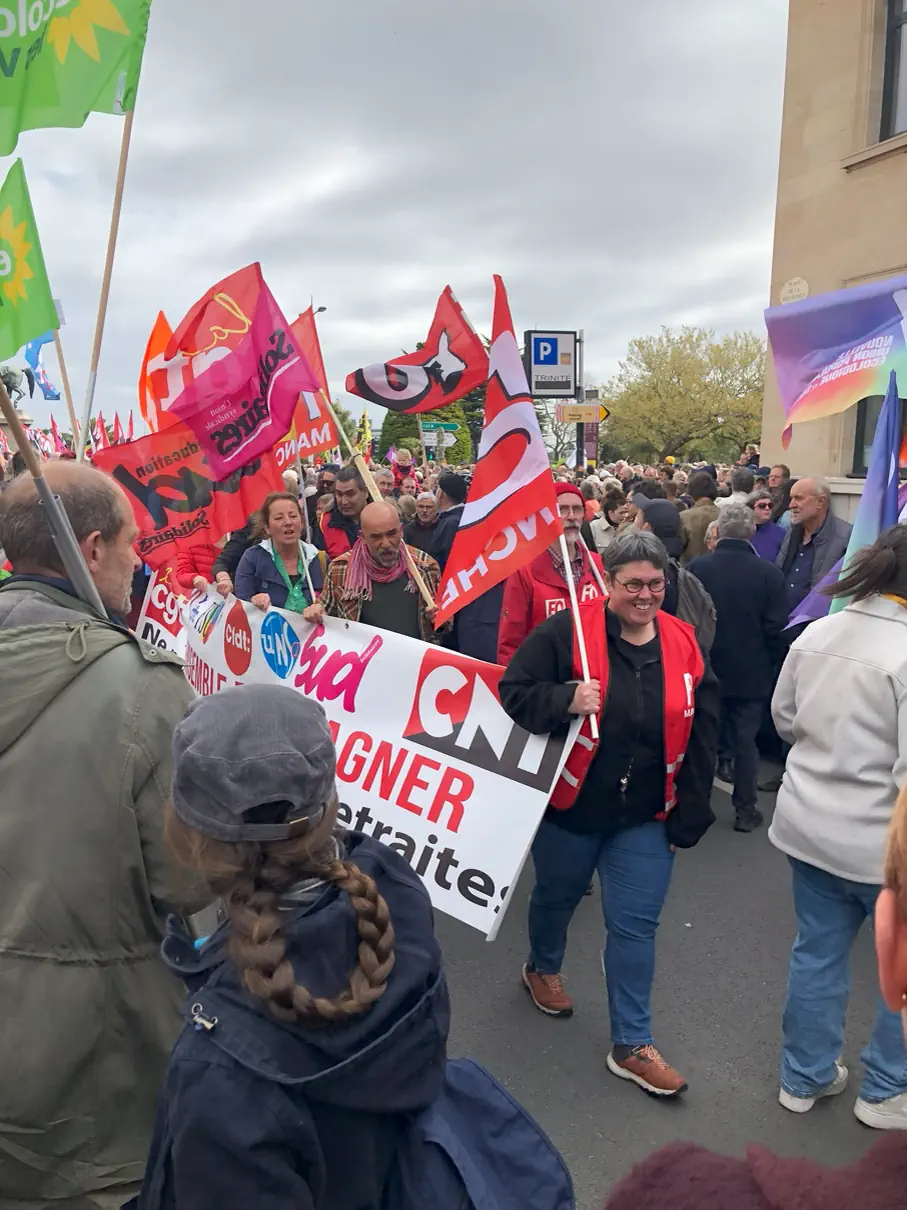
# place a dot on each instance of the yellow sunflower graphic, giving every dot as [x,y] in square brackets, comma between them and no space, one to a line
[78,26]
[14,250]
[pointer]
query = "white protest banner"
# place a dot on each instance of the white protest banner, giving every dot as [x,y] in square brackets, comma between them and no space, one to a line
[160,622]
[427,760]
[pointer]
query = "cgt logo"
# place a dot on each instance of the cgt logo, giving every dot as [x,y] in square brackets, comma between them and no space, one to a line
[457,712]
[280,644]
[238,640]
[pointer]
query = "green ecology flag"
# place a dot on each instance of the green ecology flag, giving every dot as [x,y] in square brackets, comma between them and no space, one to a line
[26,306]
[61,60]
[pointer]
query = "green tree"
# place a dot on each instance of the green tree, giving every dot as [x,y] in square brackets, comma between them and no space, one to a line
[685,393]
[399,429]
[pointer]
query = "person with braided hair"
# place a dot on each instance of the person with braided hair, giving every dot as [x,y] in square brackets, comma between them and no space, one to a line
[318,1010]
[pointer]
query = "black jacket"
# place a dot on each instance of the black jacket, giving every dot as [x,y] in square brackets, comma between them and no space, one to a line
[448,524]
[751,600]
[475,626]
[419,535]
[268,1115]
[234,549]
[536,694]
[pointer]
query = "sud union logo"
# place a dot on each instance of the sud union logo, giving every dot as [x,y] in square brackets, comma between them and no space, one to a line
[280,644]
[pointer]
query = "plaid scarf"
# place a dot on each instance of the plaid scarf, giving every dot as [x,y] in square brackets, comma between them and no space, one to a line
[363,570]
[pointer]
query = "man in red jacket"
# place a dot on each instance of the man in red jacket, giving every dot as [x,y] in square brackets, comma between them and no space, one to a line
[340,524]
[540,589]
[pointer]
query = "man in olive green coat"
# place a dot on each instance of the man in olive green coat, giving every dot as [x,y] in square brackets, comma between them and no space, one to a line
[87,713]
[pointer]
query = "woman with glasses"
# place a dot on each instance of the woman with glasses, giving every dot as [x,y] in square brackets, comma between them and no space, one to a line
[768,537]
[628,798]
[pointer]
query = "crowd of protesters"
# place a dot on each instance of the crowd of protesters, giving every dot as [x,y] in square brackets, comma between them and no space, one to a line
[686,578]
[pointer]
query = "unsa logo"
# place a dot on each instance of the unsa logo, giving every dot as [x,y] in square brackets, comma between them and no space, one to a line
[280,644]
[238,640]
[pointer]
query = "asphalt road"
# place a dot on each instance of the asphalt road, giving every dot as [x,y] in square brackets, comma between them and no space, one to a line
[723,948]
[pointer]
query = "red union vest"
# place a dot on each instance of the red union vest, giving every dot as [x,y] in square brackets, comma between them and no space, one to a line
[682,667]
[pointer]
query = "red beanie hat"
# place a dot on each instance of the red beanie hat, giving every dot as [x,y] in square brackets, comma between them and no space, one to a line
[561,489]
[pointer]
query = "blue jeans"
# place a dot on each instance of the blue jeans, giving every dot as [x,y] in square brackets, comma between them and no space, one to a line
[634,868]
[830,912]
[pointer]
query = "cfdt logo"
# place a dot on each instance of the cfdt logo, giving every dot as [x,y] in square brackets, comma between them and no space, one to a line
[203,614]
[280,644]
[238,640]
[456,712]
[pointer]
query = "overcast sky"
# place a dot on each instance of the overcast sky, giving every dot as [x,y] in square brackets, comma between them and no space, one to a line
[615,161]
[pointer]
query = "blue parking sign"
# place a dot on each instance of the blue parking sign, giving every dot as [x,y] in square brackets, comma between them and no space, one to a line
[544,351]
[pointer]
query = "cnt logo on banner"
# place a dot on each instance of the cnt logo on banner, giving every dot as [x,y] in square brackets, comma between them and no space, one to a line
[436,769]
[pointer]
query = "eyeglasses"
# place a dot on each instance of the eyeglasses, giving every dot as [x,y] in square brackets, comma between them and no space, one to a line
[635,587]
[763,504]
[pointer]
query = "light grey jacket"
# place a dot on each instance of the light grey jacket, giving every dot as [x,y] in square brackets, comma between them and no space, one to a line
[841,701]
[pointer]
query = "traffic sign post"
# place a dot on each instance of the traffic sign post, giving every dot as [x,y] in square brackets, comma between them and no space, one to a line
[581,413]
[550,359]
[433,426]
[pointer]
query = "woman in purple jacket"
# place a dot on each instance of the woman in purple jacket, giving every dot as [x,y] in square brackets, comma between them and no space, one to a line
[768,536]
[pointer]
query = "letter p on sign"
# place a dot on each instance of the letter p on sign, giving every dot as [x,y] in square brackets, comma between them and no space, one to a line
[545,351]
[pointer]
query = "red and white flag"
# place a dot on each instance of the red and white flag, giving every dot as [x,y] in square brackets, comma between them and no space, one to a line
[312,431]
[130,428]
[510,515]
[451,363]
[118,435]
[248,371]
[160,381]
[59,443]
[101,440]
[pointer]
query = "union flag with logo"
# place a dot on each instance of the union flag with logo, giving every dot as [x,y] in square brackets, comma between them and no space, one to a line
[312,431]
[247,371]
[510,515]
[451,363]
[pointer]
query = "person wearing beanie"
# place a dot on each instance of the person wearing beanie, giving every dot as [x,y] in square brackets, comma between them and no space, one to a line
[317,1010]
[451,496]
[540,589]
[685,597]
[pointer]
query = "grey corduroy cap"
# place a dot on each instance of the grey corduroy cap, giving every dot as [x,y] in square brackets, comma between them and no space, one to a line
[246,747]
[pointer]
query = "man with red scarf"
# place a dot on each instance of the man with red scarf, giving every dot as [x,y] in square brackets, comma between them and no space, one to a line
[372,584]
[540,589]
[628,798]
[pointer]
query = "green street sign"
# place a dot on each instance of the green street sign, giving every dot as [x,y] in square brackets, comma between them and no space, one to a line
[432,426]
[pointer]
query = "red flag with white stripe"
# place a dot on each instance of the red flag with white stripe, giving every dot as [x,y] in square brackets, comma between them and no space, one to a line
[510,515]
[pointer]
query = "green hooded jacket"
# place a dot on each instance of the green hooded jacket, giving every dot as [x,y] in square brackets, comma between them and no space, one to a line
[88,1011]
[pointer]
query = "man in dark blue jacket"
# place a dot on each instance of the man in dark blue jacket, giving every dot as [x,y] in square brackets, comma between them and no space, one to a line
[751,603]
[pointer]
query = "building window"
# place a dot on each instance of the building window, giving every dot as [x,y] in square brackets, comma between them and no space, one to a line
[894,96]
[868,412]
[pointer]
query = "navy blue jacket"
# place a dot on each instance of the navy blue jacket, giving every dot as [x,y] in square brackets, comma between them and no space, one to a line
[751,602]
[258,1114]
[257,572]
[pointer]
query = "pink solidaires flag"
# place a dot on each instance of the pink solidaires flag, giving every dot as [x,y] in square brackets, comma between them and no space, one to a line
[247,371]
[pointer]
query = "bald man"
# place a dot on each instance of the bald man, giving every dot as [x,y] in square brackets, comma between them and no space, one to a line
[817,539]
[372,582]
[86,719]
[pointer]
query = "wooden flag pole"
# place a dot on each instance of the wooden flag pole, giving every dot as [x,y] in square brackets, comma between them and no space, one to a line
[105,282]
[598,578]
[378,498]
[67,390]
[63,536]
[578,623]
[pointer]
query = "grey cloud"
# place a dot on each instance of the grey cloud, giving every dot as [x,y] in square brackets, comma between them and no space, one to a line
[615,161]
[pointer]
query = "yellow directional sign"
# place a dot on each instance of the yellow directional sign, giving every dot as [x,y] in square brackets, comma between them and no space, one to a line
[582,413]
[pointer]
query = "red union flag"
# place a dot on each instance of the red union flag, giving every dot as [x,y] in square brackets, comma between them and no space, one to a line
[510,515]
[248,371]
[176,499]
[452,363]
[312,431]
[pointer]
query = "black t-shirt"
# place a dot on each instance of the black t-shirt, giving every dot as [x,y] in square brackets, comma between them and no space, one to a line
[393,607]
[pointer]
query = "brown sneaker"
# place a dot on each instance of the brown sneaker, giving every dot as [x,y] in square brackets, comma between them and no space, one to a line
[645,1067]
[547,992]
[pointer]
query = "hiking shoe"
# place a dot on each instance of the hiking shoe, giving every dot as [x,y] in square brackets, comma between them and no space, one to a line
[890,1114]
[725,772]
[805,1104]
[645,1067]
[749,821]
[547,992]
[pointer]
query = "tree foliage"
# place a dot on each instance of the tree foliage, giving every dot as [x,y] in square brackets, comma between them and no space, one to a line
[399,429]
[686,393]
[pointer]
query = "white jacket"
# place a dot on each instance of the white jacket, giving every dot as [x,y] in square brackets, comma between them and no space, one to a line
[841,701]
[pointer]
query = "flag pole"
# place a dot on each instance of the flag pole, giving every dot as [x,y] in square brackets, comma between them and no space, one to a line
[63,536]
[578,623]
[375,494]
[67,390]
[598,579]
[105,282]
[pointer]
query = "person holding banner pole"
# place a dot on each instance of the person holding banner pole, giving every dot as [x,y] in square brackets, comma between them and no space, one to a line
[624,805]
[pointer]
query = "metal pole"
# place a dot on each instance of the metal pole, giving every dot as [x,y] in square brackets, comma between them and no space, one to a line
[64,538]
[580,398]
